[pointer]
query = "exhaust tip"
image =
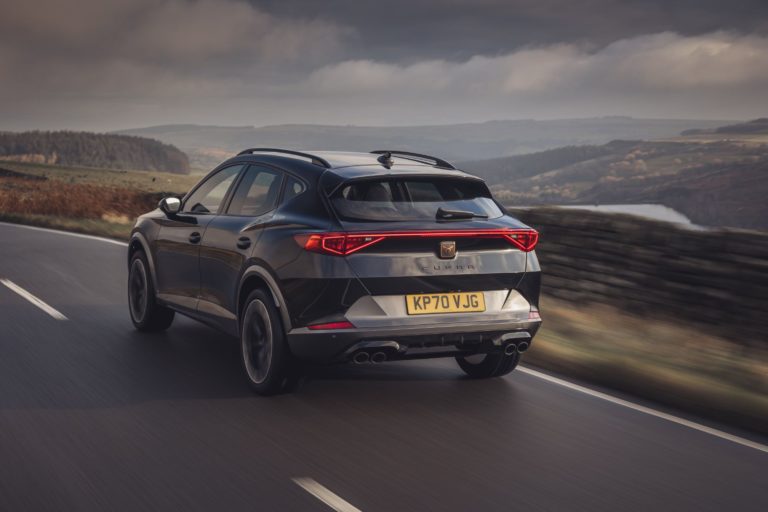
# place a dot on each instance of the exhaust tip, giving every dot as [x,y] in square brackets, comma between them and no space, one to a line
[378,357]
[522,346]
[361,358]
[510,349]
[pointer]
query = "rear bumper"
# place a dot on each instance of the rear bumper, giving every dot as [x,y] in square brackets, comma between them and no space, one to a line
[412,342]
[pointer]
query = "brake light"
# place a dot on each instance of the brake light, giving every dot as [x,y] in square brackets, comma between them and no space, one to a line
[331,326]
[343,244]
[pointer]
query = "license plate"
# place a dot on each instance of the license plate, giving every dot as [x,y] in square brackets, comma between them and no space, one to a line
[433,303]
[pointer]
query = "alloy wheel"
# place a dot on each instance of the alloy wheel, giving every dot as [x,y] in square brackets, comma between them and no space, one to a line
[137,290]
[257,343]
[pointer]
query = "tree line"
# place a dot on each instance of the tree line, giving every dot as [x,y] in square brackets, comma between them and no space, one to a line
[88,149]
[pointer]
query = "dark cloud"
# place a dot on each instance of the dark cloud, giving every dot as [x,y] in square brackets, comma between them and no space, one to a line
[402,30]
[104,64]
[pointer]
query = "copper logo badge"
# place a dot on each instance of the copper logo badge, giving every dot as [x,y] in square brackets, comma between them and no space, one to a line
[448,249]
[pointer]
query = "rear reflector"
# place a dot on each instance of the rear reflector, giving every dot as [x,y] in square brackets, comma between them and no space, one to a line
[331,326]
[343,244]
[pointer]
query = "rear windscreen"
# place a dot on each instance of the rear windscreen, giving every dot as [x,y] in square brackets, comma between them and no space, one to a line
[409,200]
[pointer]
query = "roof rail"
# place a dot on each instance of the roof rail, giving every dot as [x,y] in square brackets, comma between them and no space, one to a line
[439,162]
[315,159]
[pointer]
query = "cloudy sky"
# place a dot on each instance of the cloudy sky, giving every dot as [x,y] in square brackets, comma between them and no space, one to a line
[109,64]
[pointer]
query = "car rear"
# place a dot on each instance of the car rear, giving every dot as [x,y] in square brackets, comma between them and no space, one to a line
[437,267]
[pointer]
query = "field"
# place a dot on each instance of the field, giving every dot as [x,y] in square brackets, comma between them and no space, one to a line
[88,200]
[146,181]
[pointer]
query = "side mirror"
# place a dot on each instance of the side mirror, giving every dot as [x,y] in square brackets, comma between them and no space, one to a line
[170,205]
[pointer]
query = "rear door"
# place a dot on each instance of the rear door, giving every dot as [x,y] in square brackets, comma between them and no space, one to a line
[178,241]
[229,240]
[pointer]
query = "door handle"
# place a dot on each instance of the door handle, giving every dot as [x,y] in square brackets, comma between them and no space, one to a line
[243,242]
[194,238]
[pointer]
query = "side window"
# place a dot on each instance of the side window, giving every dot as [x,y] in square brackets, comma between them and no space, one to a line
[257,192]
[293,188]
[207,198]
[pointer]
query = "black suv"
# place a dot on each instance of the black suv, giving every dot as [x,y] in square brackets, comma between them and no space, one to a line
[332,256]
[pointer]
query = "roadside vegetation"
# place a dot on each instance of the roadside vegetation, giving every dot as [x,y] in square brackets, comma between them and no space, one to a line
[85,200]
[142,180]
[670,363]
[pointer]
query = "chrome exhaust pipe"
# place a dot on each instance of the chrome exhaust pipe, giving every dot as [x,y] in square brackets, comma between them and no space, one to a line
[522,346]
[361,357]
[378,357]
[510,349]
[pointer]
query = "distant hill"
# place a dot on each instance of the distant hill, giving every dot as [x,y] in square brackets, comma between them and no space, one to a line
[92,150]
[209,145]
[501,170]
[755,126]
[716,182]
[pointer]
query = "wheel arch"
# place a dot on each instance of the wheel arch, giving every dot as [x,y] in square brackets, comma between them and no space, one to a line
[254,277]
[139,243]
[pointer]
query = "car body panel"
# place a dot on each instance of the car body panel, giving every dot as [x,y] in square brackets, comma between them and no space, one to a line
[223,261]
[177,260]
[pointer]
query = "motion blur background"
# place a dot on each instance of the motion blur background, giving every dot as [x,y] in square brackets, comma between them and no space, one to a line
[630,133]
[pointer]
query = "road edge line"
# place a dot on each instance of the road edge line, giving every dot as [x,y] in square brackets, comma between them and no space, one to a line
[647,410]
[62,232]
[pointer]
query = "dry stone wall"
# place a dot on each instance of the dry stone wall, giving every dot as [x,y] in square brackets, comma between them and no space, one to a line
[715,279]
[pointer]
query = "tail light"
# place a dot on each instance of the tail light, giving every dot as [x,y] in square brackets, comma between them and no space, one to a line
[343,244]
[525,240]
[340,244]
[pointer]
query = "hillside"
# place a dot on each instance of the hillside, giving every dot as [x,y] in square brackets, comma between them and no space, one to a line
[209,145]
[756,126]
[92,150]
[722,182]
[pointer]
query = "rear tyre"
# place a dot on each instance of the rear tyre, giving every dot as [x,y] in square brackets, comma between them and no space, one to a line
[146,314]
[489,365]
[266,359]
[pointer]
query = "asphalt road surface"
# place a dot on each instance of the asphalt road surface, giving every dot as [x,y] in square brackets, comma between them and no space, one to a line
[95,416]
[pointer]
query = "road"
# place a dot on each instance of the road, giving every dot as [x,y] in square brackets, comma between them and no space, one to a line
[95,416]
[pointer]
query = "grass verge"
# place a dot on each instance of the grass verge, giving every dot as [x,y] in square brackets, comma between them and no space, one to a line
[98,227]
[660,361]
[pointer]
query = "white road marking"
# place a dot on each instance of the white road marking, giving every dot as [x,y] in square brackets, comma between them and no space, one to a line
[597,394]
[325,495]
[34,300]
[60,232]
[647,410]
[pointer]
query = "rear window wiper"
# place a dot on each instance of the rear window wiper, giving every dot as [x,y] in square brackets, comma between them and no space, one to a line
[443,214]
